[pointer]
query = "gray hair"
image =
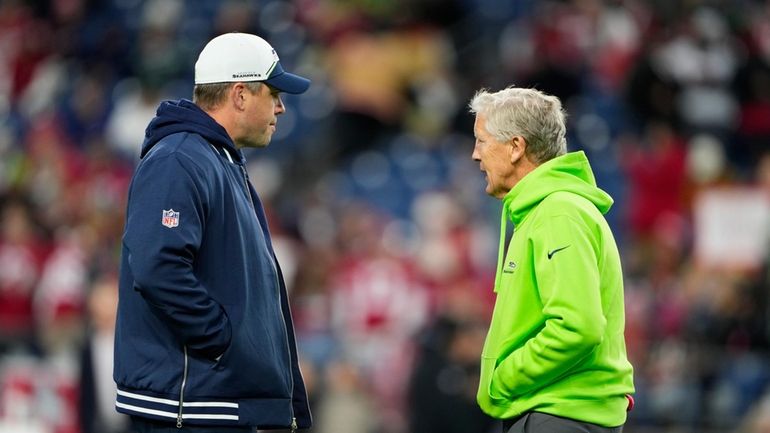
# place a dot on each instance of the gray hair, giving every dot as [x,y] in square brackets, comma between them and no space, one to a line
[209,96]
[529,113]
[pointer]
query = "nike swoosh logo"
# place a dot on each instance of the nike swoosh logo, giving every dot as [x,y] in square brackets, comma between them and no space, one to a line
[551,253]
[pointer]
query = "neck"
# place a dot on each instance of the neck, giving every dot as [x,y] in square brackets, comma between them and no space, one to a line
[226,121]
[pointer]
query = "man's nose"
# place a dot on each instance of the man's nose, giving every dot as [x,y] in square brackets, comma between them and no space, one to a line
[279,107]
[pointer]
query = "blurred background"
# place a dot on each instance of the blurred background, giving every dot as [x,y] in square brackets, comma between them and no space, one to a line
[381,224]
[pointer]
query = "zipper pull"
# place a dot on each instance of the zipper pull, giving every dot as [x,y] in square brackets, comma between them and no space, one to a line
[179,421]
[293,425]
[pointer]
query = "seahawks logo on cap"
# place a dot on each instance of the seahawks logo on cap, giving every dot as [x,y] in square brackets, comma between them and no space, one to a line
[247,75]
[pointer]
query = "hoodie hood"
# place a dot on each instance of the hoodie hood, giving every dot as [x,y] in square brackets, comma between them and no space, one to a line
[184,116]
[570,172]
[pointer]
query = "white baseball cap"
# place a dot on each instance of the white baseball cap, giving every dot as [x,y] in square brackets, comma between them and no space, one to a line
[243,57]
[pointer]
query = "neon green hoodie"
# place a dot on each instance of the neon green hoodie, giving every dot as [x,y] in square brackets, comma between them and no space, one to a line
[556,343]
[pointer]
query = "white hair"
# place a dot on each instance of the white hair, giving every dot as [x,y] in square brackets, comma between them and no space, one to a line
[529,113]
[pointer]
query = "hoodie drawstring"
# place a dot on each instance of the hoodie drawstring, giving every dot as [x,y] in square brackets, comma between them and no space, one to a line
[501,249]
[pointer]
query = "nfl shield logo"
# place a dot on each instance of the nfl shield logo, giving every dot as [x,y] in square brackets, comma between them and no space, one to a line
[170,218]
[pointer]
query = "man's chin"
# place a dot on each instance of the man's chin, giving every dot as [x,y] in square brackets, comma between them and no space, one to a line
[253,144]
[495,193]
[490,192]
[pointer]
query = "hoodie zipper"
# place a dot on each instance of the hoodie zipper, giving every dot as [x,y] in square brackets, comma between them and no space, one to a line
[278,286]
[181,391]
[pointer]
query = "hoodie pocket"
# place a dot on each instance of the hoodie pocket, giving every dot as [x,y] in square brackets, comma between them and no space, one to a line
[222,360]
[488,386]
[251,367]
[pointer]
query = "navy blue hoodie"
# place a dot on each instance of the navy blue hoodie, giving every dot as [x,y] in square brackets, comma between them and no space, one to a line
[203,316]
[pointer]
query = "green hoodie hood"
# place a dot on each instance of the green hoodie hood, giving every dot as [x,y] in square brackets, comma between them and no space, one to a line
[570,172]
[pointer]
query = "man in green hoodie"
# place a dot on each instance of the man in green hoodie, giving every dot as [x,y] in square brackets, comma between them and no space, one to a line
[555,357]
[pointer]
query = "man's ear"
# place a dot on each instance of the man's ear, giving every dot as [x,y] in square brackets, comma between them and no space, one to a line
[237,96]
[518,148]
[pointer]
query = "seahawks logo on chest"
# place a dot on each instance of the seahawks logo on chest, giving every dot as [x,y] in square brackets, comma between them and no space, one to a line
[509,267]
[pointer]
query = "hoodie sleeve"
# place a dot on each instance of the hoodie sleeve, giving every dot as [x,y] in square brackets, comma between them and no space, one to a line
[161,257]
[567,277]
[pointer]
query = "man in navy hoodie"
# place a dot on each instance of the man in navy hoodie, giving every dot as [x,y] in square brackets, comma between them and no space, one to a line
[204,339]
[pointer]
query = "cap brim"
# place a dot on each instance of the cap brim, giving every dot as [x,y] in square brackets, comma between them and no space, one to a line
[289,83]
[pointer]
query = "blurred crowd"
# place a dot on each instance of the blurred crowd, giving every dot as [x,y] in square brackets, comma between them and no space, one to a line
[381,223]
